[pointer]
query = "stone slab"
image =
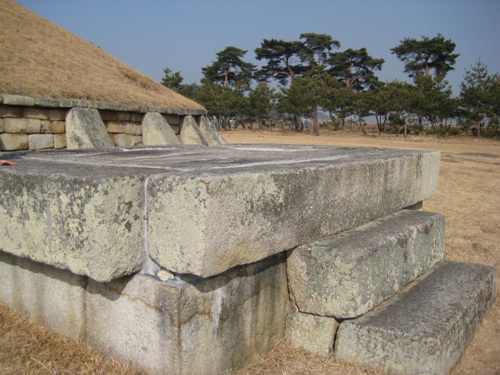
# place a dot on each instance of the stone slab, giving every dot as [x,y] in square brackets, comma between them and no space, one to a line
[349,274]
[425,329]
[157,131]
[22,125]
[10,142]
[194,209]
[18,100]
[190,132]
[187,325]
[313,333]
[68,216]
[210,132]
[85,129]
[40,141]
[51,296]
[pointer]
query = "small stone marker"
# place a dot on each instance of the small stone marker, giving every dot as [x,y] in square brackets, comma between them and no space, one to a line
[85,129]
[157,131]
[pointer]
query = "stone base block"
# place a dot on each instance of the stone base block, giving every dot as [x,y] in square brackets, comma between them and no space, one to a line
[51,296]
[40,141]
[424,329]
[9,142]
[311,332]
[349,274]
[189,325]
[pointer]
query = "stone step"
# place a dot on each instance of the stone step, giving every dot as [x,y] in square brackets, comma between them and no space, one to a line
[349,274]
[426,327]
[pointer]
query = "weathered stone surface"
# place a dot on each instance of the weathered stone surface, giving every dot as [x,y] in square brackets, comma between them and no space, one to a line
[85,129]
[40,141]
[57,114]
[2,127]
[191,133]
[46,102]
[206,209]
[54,297]
[11,111]
[107,115]
[129,128]
[114,127]
[60,141]
[18,100]
[349,274]
[311,332]
[53,127]
[22,125]
[124,140]
[73,103]
[211,134]
[173,119]
[36,113]
[157,131]
[425,329]
[9,142]
[190,325]
[73,218]
[136,117]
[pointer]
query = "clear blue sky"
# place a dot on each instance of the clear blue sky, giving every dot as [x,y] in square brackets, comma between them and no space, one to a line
[185,35]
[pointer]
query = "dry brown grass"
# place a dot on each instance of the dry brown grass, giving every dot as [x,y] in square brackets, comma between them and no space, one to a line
[30,349]
[41,59]
[467,195]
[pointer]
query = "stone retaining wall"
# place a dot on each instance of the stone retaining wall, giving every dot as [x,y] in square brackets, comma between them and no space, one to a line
[40,123]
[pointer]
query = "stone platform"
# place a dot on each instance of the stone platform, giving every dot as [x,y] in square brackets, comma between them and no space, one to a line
[196,260]
[197,210]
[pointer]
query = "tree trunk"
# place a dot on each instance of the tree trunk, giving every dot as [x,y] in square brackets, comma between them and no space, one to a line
[315,121]
[219,122]
[298,123]
[380,124]
[406,125]
[361,123]
[478,123]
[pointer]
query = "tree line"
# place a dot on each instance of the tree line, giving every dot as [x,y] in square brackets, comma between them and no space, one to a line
[299,78]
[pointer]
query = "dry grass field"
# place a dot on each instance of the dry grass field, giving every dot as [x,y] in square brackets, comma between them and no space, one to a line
[467,195]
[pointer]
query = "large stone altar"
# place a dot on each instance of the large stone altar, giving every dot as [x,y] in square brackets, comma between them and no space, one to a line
[180,259]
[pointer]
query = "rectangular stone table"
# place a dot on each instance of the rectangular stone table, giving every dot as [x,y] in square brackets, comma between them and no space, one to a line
[197,210]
